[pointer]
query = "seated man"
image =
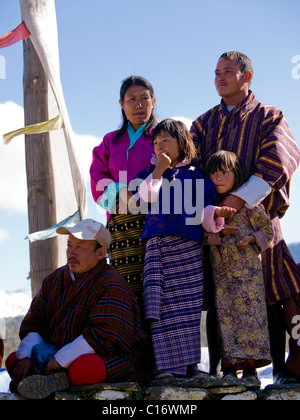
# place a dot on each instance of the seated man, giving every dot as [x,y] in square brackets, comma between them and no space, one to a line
[83,326]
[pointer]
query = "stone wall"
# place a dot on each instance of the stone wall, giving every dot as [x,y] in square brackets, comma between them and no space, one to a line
[176,390]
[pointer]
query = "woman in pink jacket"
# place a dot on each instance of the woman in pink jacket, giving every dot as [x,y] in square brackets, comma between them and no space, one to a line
[116,161]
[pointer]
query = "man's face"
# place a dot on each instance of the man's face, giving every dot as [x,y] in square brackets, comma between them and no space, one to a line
[82,255]
[229,80]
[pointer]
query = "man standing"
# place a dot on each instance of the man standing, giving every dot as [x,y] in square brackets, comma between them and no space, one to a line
[83,326]
[261,137]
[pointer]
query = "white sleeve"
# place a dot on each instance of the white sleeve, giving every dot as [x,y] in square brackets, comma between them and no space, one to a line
[253,191]
[25,347]
[67,354]
[149,189]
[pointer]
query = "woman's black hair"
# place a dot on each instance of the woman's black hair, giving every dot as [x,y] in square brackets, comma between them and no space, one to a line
[178,130]
[126,84]
[227,161]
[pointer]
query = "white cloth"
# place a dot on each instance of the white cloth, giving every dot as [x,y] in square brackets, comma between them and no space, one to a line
[40,19]
[25,347]
[253,191]
[65,356]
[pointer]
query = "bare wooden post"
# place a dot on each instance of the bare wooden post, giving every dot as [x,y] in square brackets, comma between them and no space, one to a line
[40,178]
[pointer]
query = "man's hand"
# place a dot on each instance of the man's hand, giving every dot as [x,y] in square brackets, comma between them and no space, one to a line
[224,212]
[52,365]
[21,370]
[233,201]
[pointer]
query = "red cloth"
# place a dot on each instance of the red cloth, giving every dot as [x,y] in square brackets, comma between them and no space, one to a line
[10,360]
[86,370]
[16,35]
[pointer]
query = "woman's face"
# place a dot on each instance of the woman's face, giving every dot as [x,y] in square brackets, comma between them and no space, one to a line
[137,105]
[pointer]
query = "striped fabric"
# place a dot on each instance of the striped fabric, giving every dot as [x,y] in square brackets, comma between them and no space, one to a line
[98,305]
[127,250]
[282,279]
[173,272]
[260,135]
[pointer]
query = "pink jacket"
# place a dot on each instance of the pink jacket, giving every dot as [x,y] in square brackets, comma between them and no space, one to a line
[110,157]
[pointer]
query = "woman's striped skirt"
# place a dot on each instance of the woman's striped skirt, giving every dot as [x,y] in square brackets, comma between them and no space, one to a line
[127,250]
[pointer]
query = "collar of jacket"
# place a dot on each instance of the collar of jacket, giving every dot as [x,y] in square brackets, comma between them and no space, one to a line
[246,105]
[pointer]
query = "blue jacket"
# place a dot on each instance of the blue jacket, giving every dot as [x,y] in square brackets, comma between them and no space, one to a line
[178,210]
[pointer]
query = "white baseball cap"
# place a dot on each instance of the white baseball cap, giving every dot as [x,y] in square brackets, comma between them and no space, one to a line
[88,230]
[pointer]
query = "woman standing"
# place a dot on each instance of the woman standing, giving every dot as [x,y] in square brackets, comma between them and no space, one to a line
[116,161]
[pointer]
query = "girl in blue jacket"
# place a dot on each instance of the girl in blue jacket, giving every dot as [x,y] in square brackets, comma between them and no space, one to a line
[176,194]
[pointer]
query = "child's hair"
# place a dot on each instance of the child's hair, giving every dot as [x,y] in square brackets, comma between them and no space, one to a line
[179,131]
[227,161]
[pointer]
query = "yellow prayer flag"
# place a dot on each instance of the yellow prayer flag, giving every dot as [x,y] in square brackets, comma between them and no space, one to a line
[54,124]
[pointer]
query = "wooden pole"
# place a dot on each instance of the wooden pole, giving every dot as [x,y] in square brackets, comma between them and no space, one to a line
[40,178]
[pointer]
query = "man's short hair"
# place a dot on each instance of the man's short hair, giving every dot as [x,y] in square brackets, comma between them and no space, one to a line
[243,61]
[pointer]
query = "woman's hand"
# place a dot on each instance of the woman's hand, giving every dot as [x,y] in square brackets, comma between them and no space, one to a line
[124,197]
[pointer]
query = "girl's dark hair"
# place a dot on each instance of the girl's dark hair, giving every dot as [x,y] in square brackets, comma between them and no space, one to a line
[227,161]
[178,130]
[126,84]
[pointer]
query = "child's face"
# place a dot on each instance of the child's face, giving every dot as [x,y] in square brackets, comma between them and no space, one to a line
[223,180]
[164,143]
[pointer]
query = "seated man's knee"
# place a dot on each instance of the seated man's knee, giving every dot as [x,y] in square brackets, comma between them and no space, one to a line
[87,369]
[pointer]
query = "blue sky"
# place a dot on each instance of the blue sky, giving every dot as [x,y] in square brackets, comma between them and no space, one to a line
[175,44]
